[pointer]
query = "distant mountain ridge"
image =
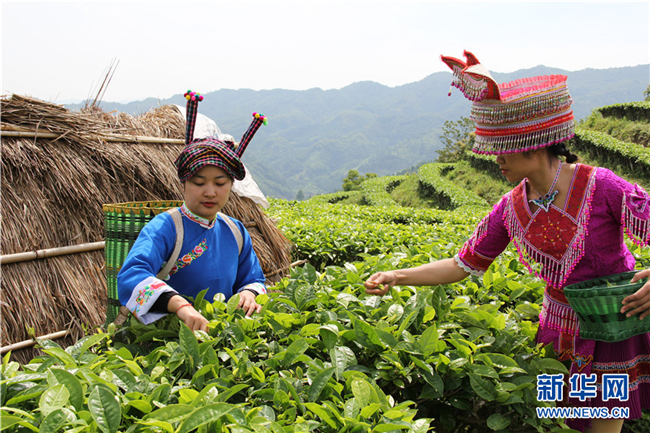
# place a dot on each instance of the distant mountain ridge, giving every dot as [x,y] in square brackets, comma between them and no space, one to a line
[315,136]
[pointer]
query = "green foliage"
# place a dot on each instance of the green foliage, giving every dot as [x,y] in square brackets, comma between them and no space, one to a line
[458,139]
[335,234]
[485,163]
[406,194]
[376,190]
[348,197]
[621,128]
[446,193]
[322,355]
[612,151]
[641,425]
[300,196]
[633,111]
[353,180]
[479,181]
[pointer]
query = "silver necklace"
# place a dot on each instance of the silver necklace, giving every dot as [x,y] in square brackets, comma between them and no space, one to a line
[545,201]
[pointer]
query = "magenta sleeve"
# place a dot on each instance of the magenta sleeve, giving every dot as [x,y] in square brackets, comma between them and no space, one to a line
[632,203]
[489,240]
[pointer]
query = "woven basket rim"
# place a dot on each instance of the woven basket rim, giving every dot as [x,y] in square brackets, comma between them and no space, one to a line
[611,337]
[148,205]
[589,297]
[598,286]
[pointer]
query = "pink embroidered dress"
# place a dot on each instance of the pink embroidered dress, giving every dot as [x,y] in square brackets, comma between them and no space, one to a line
[575,241]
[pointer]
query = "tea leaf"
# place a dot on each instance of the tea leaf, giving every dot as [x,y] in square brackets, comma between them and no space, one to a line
[72,384]
[482,387]
[105,409]
[319,382]
[56,420]
[204,415]
[55,397]
[498,422]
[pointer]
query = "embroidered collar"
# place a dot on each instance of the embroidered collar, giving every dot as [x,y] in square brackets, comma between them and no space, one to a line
[203,222]
[550,244]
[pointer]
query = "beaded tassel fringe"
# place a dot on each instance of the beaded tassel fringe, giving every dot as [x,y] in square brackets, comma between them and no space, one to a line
[474,90]
[520,111]
[637,229]
[558,316]
[480,232]
[524,142]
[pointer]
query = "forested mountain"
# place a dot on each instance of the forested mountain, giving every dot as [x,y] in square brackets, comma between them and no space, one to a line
[315,136]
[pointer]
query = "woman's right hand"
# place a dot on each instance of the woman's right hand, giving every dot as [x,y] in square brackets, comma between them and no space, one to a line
[192,318]
[380,283]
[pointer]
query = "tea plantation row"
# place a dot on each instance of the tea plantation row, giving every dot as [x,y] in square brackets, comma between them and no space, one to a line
[322,356]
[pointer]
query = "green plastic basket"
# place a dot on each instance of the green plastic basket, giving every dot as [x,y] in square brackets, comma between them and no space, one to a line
[597,304]
[123,222]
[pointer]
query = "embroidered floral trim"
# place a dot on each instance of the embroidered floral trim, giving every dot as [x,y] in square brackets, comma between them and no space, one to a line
[259,288]
[145,293]
[637,370]
[188,258]
[466,268]
[554,268]
[635,217]
[203,222]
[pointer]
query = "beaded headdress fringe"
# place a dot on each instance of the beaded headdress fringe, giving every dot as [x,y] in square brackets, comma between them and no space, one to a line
[518,116]
[526,142]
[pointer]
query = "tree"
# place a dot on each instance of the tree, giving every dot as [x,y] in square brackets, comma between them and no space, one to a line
[458,137]
[300,196]
[646,93]
[353,180]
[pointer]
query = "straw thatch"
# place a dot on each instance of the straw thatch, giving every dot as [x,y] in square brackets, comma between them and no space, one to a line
[52,195]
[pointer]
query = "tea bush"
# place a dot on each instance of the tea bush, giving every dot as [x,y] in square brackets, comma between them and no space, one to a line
[376,191]
[639,111]
[322,356]
[447,193]
[611,151]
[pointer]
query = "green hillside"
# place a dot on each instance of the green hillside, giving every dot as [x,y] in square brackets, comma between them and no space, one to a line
[407,220]
[322,355]
[615,137]
[314,137]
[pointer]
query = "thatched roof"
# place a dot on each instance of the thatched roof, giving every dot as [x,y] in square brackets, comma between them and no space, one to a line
[52,194]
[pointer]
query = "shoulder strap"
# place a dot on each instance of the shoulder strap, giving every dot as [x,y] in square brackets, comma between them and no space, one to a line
[178,223]
[234,229]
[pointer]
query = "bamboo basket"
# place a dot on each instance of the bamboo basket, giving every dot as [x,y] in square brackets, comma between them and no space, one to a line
[123,223]
[597,304]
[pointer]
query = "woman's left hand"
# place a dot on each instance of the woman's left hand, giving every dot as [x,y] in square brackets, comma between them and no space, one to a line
[638,302]
[247,302]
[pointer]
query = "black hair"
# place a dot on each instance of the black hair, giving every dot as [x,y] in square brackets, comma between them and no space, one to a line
[560,149]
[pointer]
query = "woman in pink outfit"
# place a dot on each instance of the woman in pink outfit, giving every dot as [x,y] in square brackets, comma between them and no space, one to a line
[567,221]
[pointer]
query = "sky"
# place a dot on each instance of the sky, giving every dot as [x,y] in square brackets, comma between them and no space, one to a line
[61,51]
